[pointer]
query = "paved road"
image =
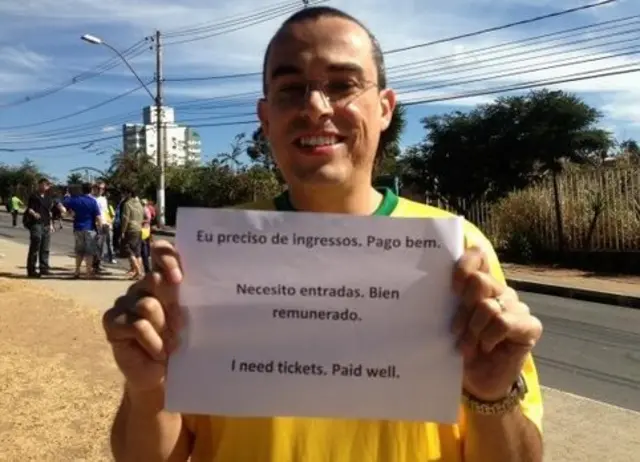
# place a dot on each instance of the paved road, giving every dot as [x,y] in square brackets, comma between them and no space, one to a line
[588,349]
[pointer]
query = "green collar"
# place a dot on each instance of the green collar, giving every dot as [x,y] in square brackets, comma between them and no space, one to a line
[387,205]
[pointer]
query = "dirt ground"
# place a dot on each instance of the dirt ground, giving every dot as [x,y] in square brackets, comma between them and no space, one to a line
[59,386]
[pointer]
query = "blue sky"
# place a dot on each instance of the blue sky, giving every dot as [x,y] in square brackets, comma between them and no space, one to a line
[40,49]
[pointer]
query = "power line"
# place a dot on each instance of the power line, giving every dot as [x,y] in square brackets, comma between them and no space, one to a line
[73,114]
[577,77]
[536,84]
[525,69]
[206,103]
[243,98]
[209,26]
[503,27]
[135,50]
[242,24]
[521,43]
[434,42]
[66,145]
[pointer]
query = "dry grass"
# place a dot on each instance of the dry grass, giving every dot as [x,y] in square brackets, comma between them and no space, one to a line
[58,384]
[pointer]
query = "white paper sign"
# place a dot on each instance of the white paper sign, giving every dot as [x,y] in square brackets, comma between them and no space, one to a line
[310,315]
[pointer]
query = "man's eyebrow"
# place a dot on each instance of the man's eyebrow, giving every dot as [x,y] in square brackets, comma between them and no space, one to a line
[346,67]
[288,69]
[285,70]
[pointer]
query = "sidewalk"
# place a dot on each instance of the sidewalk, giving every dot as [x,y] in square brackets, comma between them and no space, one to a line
[623,290]
[59,387]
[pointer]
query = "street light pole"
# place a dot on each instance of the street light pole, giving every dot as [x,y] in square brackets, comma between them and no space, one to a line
[160,154]
[159,134]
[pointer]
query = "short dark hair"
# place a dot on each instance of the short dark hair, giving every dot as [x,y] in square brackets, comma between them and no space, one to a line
[317,12]
[86,188]
[43,180]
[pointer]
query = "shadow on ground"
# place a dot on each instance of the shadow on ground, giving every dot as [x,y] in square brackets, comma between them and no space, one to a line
[67,276]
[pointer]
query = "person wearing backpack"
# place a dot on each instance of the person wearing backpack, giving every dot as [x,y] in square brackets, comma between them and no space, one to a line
[37,219]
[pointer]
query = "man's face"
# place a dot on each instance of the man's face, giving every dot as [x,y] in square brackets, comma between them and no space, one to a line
[43,187]
[324,112]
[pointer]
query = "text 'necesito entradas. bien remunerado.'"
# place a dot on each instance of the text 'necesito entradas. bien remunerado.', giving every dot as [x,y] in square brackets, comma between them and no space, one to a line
[332,314]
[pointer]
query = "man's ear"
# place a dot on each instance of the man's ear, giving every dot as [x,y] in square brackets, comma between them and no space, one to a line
[262,111]
[388,101]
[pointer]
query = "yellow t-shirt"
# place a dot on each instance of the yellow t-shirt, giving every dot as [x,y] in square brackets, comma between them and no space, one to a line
[285,439]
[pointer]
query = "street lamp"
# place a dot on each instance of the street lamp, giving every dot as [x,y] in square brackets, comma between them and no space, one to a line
[157,99]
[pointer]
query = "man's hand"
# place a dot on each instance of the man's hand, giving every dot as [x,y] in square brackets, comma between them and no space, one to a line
[144,324]
[495,329]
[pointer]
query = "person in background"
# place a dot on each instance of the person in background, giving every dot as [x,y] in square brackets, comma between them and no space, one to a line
[117,224]
[149,216]
[56,215]
[102,232]
[15,204]
[131,232]
[109,217]
[87,219]
[37,220]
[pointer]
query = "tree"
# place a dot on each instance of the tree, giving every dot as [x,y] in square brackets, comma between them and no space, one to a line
[132,169]
[259,150]
[19,180]
[507,145]
[389,150]
[74,178]
[630,147]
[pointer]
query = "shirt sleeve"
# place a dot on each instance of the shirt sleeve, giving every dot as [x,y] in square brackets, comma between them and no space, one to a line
[531,405]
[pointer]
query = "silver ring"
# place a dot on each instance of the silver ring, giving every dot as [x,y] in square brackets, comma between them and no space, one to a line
[500,304]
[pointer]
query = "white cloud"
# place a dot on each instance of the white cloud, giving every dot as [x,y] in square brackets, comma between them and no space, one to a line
[122,22]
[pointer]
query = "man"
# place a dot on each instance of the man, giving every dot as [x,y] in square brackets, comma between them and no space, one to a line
[325,105]
[37,219]
[131,232]
[86,220]
[103,235]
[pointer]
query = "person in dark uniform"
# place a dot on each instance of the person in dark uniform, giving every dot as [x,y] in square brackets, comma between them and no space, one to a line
[38,221]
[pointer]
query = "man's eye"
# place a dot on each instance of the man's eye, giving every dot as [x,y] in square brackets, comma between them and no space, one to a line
[341,87]
[292,89]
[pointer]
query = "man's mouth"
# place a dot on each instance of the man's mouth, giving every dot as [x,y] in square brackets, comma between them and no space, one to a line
[318,141]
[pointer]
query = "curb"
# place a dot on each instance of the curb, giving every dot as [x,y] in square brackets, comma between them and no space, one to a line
[587,295]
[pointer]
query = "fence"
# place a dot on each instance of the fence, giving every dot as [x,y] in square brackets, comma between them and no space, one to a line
[600,211]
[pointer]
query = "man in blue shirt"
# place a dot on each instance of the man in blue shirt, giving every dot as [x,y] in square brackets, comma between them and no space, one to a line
[86,220]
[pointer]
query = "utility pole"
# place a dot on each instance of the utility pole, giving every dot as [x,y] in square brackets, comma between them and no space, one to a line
[159,134]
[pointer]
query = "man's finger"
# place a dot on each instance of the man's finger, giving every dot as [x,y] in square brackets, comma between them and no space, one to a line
[167,261]
[480,286]
[155,285]
[149,308]
[473,260]
[517,328]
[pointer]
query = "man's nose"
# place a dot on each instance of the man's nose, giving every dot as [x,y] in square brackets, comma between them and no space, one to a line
[317,105]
